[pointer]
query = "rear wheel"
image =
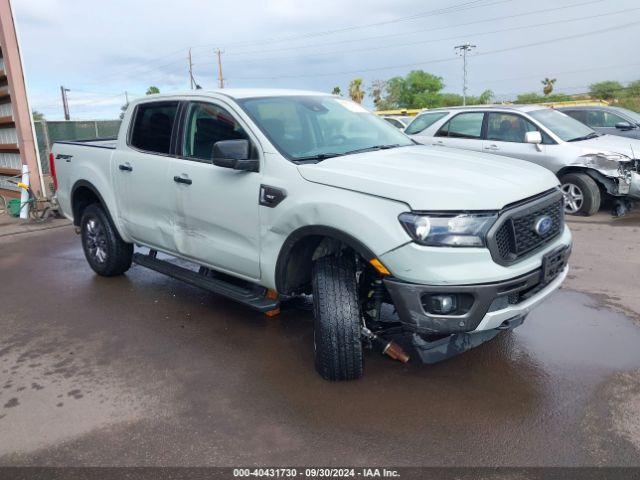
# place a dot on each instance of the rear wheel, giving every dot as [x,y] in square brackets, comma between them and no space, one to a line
[337,329]
[581,194]
[107,254]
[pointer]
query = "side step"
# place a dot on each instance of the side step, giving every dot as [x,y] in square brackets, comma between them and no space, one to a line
[239,294]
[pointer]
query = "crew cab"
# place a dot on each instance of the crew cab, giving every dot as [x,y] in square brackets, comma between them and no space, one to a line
[265,195]
[590,166]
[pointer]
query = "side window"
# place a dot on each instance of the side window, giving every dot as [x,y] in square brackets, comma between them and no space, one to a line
[206,125]
[507,127]
[152,126]
[424,121]
[580,115]
[605,119]
[463,125]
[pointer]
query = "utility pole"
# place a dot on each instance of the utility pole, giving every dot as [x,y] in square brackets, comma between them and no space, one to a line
[126,97]
[190,70]
[65,103]
[462,50]
[220,77]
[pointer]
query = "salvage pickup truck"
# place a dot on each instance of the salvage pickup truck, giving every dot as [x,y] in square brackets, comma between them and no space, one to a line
[266,195]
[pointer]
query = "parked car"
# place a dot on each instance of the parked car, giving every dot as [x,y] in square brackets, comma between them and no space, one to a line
[608,120]
[588,164]
[398,121]
[271,194]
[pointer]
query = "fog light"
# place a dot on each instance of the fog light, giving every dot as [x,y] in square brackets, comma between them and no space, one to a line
[443,304]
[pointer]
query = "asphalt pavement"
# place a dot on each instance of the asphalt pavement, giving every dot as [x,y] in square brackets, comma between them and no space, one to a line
[144,370]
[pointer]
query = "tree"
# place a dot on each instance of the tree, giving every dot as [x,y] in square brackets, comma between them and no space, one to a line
[152,90]
[377,89]
[548,85]
[37,116]
[486,97]
[336,91]
[633,89]
[607,90]
[355,90]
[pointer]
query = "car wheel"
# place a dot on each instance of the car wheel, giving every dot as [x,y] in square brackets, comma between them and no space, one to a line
[581,194]
[337,330]
[107,254]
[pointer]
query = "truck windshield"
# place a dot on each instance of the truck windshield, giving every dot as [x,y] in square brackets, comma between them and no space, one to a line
[565,127]
[314,128]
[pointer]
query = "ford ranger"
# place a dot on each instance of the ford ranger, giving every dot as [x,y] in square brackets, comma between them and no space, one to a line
[267,195]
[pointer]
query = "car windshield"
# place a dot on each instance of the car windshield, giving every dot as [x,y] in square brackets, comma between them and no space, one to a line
[635,116]
[313,128]
[565,127]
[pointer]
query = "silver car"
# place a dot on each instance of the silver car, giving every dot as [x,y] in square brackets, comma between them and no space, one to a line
[589,165]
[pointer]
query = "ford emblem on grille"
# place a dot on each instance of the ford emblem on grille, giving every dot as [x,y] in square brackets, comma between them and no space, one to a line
[543,225]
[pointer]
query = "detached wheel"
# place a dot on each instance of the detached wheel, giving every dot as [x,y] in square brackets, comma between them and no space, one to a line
[107,254]
[581,194]
[337,331]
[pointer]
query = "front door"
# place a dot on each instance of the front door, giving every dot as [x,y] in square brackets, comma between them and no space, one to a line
[216,211]
[505,135]
[140,176]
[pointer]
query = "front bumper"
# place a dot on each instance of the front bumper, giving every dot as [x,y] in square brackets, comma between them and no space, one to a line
[493,303]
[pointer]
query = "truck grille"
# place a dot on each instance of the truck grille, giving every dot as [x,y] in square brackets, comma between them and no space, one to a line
[515,231]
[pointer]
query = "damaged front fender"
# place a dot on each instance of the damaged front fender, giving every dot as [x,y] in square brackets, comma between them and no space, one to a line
[616,172]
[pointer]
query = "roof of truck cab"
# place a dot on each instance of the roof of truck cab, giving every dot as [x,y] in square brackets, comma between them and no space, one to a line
[235,93]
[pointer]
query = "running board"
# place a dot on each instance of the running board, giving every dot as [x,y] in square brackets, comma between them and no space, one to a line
[239,294]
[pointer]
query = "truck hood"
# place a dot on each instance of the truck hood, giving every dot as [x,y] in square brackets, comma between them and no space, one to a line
[610,144]
[434,178]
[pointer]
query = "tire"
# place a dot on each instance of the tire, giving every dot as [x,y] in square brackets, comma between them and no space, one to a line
[337,330]
[108,255]
[582,195]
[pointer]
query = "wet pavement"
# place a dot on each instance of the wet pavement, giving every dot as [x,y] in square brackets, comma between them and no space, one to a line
[144,370]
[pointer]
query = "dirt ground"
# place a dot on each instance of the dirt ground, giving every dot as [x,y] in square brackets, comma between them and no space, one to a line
[144,370]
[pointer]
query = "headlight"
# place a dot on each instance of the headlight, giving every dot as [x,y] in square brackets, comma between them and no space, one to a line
[448,229]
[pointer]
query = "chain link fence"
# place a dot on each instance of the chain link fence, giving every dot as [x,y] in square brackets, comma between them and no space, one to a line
[48,132]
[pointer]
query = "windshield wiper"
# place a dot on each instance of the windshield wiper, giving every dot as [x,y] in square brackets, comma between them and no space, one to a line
[318,157]
[373,148]
[585,137]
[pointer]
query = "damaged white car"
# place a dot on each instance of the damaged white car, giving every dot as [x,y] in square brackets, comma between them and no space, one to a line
[590,166]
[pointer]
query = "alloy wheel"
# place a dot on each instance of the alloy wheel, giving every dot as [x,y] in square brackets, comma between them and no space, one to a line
[573,197]
[96,239]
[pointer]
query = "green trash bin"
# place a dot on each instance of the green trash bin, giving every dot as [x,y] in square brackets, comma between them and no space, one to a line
[13,207]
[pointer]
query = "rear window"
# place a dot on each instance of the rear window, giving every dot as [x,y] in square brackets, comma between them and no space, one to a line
[423,121]
[152,126]
[463,125]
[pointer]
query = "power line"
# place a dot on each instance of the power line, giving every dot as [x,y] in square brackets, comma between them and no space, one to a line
[429,30]
[441,11]
[435,40]
[442,60]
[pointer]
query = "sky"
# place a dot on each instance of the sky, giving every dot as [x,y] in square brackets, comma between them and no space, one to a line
[100,50]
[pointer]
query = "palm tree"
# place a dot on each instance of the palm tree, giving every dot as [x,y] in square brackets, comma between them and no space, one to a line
[548,85]
[355,90]
[336,91]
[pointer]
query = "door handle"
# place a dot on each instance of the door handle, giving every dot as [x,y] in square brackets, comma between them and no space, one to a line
[186,181]
[125,167]
[492,147]
[438,142]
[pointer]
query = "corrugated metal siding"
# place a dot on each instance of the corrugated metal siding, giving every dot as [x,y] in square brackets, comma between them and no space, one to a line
[10,160]
[5,110]
[8,135]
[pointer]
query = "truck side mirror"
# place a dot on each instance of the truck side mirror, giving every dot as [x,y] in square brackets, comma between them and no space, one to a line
[234,154]
[624,126]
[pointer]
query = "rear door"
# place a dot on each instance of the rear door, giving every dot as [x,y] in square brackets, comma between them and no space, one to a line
[140,175]
[215,209]
[505,134]
[463,130]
